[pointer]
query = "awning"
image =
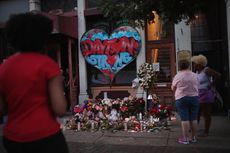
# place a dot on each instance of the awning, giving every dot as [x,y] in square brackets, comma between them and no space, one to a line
[64,24]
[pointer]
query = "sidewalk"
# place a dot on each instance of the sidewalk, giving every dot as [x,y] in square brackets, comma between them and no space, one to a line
[161,142]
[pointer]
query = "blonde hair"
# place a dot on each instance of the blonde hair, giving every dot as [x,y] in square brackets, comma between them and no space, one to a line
[200,59]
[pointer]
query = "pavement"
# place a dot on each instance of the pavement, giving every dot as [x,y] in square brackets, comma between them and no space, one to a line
[164,141]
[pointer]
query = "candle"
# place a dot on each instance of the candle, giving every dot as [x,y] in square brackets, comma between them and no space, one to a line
[140,116]
[125,126]
[141,126]
[92,125]
[151,119]
[78,126]
[105,95]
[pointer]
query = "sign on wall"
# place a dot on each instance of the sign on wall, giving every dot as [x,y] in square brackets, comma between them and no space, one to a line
[111,53]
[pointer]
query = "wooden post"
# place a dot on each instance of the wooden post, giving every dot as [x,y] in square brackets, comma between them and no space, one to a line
[70,74]
[59,56]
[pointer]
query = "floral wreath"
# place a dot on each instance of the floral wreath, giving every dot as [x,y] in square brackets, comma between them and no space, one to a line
[147,76]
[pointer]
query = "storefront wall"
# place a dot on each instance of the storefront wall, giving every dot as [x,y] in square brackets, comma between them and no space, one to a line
[87,87]
[114,90]
[181,41]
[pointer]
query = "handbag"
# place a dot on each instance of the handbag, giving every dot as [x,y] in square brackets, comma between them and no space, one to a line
[207,96]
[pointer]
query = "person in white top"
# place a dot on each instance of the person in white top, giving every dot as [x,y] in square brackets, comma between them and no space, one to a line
[207,78]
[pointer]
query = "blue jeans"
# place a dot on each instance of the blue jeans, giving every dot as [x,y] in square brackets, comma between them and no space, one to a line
[188,108]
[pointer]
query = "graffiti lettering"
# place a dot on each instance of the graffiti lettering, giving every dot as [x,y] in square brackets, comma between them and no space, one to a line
[122,61]
[110,47]
[92,47]
[99,61]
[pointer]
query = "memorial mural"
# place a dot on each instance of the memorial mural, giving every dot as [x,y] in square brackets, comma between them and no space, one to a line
[111,53]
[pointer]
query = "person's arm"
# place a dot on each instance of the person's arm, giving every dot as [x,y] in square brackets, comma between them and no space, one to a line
[173,88]
[57,97]
[3,109]
[174,82]
[214,74]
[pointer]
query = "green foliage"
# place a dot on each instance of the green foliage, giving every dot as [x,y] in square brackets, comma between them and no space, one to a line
[140,10]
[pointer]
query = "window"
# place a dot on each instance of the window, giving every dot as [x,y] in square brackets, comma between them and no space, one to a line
[162,54]
[207,39]
[160,48]
[124,77]
[158,30]
[162,57]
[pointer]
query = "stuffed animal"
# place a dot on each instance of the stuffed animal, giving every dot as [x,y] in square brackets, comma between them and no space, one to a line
[113,116]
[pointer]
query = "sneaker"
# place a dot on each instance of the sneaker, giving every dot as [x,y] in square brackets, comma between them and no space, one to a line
[183,141]
[193,140]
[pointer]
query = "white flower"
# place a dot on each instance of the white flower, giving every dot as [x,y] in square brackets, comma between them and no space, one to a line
[146,75]
[107,102]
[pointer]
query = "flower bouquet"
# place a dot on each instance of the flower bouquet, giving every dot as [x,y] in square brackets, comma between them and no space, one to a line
[161,111]
[131,106]
[147,76]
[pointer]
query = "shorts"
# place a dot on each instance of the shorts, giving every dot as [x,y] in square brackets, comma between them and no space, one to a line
[188,108]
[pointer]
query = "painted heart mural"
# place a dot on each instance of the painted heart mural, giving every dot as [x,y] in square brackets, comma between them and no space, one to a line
[111,53]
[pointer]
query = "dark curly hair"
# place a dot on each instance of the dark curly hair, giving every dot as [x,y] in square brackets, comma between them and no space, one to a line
[183,64]
[28,31]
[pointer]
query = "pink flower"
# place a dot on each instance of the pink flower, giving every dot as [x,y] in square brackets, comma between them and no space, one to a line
[99,108]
